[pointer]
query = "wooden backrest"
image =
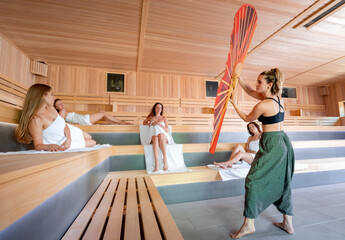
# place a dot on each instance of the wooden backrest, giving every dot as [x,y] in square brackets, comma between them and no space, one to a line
[11,92]
[77,98]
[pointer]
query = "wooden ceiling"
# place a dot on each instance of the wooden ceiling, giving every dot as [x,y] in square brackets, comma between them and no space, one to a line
[184,37]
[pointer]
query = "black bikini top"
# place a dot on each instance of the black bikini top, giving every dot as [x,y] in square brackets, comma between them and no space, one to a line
[279,117]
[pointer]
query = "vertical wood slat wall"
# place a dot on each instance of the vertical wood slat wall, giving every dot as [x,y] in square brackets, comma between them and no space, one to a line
[93,81]
[14,63]
[336,95]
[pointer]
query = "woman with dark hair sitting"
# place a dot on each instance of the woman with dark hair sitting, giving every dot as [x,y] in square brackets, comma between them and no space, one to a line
[247,153]
[159,133]
[39,122]
[85,119]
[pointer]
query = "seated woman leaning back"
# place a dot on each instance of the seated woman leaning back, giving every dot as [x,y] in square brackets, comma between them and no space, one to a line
[247,153]
[39,122]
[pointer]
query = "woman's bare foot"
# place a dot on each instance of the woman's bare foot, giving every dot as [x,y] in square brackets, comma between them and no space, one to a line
[284,226]
[247,227]
[222,165]
[244,230]
[155,170]
[166,167]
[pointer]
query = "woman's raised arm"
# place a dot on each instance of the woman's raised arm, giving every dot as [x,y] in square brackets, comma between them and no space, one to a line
[251,92]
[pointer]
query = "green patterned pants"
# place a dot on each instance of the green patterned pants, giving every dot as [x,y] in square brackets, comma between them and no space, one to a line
[270,175]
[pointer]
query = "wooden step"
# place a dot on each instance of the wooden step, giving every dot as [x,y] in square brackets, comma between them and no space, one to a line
[205,174]
[223,147]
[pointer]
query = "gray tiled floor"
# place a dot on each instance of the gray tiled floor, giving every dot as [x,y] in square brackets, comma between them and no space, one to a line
[319,214]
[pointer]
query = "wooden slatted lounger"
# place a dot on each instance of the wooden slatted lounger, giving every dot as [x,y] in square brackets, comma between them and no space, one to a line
[125,208]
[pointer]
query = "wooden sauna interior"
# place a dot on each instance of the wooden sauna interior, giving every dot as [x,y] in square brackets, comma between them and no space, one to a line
[168,49]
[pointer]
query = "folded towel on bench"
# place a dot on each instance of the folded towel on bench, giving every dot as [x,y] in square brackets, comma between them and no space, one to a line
[241,169]
[86,149]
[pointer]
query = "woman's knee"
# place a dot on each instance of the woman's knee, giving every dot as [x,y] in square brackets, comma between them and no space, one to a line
[154,139]
[161,137]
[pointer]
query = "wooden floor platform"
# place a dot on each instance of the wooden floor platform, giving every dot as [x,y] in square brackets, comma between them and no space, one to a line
[125,208]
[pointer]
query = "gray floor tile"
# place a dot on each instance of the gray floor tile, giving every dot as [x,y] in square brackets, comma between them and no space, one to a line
[212,233]
[184,225]
[314,232]
[337,211]
[215,219]
[336,226]
[221,205]
[319,213]
[309,217]
[330,199]
[184,210]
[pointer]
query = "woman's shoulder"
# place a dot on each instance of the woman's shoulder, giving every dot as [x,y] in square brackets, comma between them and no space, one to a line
[36,121]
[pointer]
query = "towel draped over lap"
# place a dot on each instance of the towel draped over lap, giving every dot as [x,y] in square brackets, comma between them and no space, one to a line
[174,151]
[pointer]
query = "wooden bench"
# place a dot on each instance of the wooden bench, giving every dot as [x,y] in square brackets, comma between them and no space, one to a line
[125,208]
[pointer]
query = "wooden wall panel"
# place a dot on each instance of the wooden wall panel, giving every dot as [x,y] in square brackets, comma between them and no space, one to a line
[336,95]
[73,79]
[14,64]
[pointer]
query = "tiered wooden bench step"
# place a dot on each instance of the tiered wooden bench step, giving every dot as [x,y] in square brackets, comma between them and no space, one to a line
[198,128]
[124,208]
[205,174]
[198,174]
[204,147]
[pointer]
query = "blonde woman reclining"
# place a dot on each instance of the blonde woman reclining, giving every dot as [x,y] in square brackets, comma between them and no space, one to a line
[39,122]
[85,119]
[247,153]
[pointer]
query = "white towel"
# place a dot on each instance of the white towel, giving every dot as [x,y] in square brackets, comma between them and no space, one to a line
[174,154]
[239,170]
[174,158]
[86,149]
[145,135]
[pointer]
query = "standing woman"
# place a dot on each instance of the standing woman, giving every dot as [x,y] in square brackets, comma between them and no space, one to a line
[159,134]
[41,124]
[270,175]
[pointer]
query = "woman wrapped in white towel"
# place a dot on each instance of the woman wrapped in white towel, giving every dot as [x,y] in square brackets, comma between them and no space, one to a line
[159,134]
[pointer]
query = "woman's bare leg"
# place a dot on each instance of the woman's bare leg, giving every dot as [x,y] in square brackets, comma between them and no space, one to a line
[86,135]
[94,117]
[248,227]
[163,144]
[90,142]
[286,225]
[155,147]
[236,156]
[237,149]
